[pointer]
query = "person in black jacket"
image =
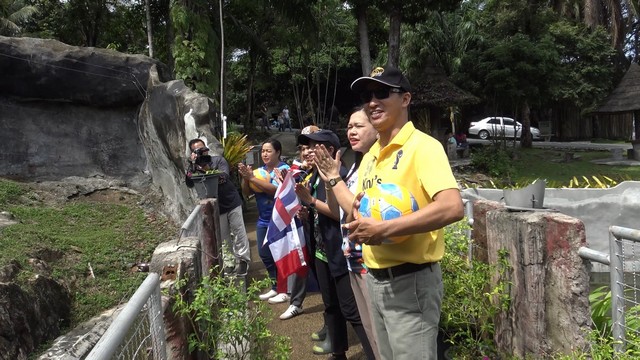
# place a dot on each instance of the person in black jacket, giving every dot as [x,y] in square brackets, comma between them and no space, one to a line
[331,267]
[232,229]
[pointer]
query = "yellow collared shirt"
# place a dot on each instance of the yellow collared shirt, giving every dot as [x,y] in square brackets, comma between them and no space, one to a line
[417,162]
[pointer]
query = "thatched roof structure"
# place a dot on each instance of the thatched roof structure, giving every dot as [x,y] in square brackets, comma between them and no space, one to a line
[432,88]
[626,96]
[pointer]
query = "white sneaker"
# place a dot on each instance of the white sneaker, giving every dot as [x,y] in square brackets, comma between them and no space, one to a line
[291,311]
[280,298]
[268,295]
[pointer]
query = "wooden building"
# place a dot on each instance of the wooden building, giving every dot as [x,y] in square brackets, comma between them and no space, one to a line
[615,118]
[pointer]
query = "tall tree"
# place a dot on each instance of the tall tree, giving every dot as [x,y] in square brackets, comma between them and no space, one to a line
[14,13]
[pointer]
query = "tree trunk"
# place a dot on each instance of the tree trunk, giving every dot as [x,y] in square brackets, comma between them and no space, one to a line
[363,33]
[525,140]
[592,13]
[395,20]
[147,8]
[616,24]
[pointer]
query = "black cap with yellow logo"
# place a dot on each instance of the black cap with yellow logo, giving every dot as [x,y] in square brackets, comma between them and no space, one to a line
[387,75]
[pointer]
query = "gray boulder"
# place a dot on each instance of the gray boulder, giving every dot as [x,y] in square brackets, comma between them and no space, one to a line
[80,120]
[47,69]
[29,317]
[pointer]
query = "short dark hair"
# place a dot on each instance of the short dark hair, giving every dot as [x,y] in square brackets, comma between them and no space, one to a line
[194,141]
[277,146]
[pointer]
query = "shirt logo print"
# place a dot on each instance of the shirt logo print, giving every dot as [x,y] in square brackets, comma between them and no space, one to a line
[398,156]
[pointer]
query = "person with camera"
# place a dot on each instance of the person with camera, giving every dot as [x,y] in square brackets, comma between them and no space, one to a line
[229,202]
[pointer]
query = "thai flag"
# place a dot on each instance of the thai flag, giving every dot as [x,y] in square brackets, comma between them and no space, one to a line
[284,234]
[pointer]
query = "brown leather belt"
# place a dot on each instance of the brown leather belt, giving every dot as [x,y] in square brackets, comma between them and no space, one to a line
[398,270]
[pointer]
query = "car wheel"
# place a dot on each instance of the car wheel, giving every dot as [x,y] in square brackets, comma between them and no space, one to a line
[483,134]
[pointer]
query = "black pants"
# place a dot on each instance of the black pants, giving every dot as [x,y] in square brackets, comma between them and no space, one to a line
[340,307]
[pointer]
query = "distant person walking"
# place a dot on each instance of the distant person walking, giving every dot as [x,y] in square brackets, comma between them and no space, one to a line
[287,118]
[280,122]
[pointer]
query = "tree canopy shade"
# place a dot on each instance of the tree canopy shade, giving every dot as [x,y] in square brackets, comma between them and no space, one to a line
[626,96]
[431,87]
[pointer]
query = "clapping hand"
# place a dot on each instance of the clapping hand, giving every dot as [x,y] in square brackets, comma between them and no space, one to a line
[328,167]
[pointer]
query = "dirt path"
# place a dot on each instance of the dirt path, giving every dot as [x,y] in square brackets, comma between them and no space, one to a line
[299,328]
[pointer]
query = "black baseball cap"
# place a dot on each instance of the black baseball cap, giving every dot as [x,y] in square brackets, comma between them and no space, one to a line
[387,75]
[322,136]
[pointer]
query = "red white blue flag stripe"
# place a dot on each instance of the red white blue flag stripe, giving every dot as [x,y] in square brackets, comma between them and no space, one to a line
[284,234]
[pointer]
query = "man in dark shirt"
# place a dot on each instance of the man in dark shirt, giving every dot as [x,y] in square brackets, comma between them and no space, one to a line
[232,229]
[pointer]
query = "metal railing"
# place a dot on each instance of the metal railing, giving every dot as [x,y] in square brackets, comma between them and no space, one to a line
[623,258]
[138,331]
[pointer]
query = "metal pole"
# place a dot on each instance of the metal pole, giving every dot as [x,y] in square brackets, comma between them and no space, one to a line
[191,218]
[617,291]
[156,321]
[468,212]
[594,255]
[115,334]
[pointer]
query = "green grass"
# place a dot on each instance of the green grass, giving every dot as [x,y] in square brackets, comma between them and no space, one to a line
[111,237]
[548,164]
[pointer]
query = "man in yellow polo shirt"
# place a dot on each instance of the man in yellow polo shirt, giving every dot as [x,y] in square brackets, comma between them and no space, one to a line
[404,279]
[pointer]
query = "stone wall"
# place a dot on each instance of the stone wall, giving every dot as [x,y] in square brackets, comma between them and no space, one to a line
[548,281]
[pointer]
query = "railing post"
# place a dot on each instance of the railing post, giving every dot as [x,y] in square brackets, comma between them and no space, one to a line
[468,212]
[616,270]
[156,322]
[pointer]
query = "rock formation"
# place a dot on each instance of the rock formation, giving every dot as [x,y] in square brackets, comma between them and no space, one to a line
[82,120]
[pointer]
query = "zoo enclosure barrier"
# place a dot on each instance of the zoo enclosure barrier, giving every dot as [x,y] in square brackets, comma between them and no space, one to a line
[138,331]
[624,250]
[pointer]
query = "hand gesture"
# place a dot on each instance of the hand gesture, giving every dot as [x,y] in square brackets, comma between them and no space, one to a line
[328,167]
[245,171]
[304,193]
[363,230]
[303,213]
[280,175]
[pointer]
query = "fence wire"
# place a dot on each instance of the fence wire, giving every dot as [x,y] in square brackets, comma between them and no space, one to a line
[628,298]
[138,331]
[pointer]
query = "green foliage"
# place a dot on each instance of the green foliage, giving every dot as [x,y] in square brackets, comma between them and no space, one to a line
[603,182]
[9,192]
[14,14]
[109,237]
[600,338]
[236,146]
[196,46]
[496,161]
[470,302]
[586,73]
[526,165]
[230,323]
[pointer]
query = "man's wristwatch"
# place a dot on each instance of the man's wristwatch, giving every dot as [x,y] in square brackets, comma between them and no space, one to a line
[333,182]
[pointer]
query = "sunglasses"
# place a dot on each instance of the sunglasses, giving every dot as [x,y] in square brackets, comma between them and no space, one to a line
[380,94]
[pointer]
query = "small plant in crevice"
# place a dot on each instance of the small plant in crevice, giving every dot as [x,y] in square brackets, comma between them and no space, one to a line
[230,323]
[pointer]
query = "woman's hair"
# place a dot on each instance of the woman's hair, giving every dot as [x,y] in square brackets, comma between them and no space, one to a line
[277,146]
[354,110]
[358,155]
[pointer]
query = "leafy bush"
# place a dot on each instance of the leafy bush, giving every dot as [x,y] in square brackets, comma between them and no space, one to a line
[236,146]
[232,323]
[494,161]
[470,303]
